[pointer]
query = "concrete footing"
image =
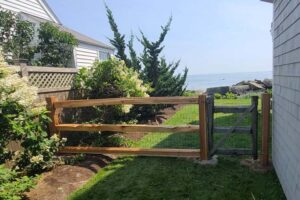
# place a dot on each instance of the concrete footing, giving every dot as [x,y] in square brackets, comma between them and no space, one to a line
[212,162]
[255,165]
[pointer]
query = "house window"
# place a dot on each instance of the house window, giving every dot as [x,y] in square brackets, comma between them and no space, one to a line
[103,55]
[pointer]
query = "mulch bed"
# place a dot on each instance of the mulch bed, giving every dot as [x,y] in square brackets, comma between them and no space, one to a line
[60,182]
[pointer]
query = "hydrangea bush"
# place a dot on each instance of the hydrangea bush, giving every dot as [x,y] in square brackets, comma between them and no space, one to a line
[25,122]
[108,79]
[111,79]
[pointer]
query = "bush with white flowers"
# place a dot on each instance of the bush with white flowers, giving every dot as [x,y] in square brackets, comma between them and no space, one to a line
[111,79]
[25,122]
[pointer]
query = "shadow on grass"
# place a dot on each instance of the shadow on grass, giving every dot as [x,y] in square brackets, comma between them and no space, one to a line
[145,178]
[170,178]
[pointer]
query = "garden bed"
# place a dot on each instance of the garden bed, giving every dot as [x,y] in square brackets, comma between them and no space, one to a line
[60,182]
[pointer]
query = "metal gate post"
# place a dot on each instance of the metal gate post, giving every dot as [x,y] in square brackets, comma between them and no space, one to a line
[254,127]
[210,119]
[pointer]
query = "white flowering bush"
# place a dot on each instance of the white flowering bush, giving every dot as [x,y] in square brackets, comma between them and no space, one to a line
[108,79]
[23,121]
[111,79]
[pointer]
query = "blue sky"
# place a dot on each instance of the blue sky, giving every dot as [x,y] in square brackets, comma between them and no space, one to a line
[208,36]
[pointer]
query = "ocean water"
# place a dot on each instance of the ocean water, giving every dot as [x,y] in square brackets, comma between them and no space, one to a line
[204,81]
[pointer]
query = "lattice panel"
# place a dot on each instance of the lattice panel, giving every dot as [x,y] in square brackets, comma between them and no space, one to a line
[51,79]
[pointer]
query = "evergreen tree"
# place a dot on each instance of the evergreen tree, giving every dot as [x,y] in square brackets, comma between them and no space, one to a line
[119,40]
[153,68]
[150,57]
[168,83]
[156,70]
[134,60]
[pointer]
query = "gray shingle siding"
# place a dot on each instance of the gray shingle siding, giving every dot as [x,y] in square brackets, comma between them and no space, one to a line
[286,95]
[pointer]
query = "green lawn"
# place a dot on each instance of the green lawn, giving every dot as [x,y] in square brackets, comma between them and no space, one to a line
[172,178]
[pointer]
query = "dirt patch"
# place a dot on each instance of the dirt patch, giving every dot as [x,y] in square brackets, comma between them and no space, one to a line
[59,183]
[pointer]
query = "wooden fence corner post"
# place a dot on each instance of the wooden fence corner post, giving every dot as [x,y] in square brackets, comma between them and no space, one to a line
[203,128]
[52,114]
[266,98]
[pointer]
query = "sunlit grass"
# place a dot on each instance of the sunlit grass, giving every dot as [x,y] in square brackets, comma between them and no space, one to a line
[146,178]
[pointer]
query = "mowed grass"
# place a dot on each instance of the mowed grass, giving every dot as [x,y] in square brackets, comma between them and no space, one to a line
[173,178]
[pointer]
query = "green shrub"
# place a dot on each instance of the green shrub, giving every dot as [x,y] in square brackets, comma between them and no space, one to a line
[55,46]
[16,36]
[230,95]
[191,93]
[218,96]
[23,121]
[110,79]
[12,186]
[38,152]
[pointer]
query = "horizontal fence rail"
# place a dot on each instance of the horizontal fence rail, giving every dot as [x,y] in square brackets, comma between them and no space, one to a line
[55,107]
[131,101]
[245,129]
[231,109]
[232,151]
[192,153]
[126,128]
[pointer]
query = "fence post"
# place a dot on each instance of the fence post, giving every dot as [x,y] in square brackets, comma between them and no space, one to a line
[24,71]
[210,118]
[52,114]
[203,128]
[265,129]
[254,128]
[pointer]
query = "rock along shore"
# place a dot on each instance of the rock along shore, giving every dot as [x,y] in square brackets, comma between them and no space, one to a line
[242,87]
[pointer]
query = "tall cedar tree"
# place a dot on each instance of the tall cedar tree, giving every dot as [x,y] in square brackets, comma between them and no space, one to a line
[134,60]
[119,40]
[156,70]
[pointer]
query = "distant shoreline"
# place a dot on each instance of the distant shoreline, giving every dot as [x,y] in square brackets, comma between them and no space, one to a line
[204,81]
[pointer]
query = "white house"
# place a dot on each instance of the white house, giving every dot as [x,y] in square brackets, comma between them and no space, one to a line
[37,11]
[286,95]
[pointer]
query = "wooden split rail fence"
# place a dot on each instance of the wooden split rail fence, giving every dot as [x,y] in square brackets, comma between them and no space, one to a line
[205,129]
[56,107]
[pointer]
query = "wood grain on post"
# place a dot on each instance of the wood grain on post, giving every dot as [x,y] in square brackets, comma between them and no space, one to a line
[53,114]
[265,128]
[203,128]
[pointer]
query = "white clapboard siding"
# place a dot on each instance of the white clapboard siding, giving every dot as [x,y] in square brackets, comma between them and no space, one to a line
[32,7]
[85,54]
[286,96]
